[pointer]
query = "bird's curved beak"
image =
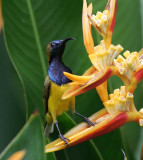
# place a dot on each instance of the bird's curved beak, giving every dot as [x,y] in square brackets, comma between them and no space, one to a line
[67,39]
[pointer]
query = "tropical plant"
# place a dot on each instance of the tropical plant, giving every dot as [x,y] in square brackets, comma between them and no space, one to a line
[28,26]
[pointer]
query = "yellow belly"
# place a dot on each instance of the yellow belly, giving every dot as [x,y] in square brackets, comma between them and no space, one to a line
[56,106]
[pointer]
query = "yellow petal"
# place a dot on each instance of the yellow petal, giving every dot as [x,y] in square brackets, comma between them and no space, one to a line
[95,62]
[87,36]
[97,80]
[81,79]
[90,71]
[76,83]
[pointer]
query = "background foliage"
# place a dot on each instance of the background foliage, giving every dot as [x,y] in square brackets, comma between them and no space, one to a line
[29,25]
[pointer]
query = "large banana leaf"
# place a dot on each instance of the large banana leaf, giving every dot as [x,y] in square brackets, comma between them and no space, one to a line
[11,99]
[30,24]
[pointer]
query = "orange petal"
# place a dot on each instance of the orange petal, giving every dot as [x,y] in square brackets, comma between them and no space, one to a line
[102,91]
[112,7]
[18,155]
[86,26]
[98,79]
[81,79]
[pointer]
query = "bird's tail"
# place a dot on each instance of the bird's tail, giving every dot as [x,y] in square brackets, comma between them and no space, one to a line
[49,127]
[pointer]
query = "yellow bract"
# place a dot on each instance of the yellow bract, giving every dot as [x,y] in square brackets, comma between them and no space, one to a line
[120,101]
[101,58]
[130,63]
[100,22]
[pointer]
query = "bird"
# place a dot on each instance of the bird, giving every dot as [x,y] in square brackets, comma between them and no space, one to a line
[55,85]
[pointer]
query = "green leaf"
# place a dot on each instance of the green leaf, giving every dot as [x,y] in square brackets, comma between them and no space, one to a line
[12,106]
[25,49]
[29,25]
[29,139]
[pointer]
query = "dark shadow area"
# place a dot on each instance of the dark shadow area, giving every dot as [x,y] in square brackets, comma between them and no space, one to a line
[12,102]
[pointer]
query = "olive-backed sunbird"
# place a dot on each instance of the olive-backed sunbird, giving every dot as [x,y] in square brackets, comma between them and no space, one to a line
[55,85]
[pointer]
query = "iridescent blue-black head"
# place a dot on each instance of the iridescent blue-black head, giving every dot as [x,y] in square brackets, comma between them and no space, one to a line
[56,48]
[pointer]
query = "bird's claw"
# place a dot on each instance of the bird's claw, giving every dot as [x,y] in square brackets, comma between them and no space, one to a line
[64,139]
[88,122]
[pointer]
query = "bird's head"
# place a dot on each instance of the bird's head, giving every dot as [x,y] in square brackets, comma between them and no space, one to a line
[56,48]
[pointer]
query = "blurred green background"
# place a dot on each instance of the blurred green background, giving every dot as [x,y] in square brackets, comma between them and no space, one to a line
[12,101]
[58,20]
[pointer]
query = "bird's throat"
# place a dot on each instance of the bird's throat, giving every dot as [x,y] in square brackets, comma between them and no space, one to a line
[56,69]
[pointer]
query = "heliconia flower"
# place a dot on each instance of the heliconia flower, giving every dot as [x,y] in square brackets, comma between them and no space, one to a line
[119,106]
[101,59]
[129,69]
[104,22]
[77,87]
[102,55]
[131,63]
[119,110]
[120,101]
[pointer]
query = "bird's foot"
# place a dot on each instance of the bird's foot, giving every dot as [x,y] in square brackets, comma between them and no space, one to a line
[85,119]
[64,139]
[88,122]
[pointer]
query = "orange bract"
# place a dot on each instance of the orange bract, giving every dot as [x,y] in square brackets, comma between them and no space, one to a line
[86,26]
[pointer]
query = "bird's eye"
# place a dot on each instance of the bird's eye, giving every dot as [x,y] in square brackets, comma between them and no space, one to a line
[52,44]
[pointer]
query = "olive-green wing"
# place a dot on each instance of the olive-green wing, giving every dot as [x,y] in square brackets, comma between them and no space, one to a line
[46,91]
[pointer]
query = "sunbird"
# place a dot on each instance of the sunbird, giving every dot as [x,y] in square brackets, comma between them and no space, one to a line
[55,85]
